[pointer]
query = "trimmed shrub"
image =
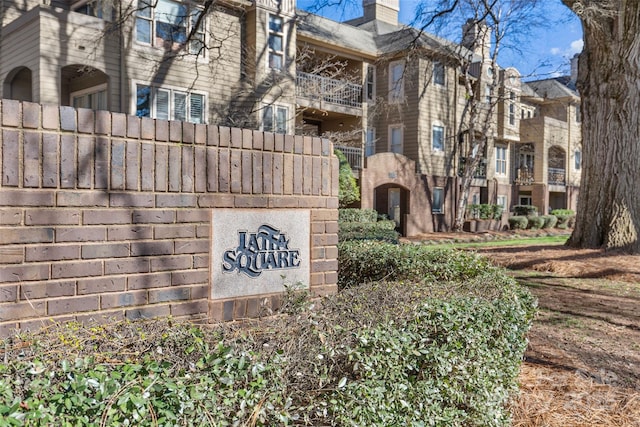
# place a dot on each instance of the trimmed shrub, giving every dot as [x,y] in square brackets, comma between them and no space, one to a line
[518,222]
[380,354]
[485,211]
[562,212]
[565,221]
[459,350]
[360,262]
[357,215]
[550,221]
[381,230]
[535,222]
[525,210]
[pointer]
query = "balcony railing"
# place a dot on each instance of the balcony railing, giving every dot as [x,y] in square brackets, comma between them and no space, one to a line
[556,176]
[353,155]
[524,176]
[320,88]
[479,173]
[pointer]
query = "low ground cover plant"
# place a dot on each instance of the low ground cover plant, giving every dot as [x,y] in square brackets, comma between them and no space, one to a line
[440,348]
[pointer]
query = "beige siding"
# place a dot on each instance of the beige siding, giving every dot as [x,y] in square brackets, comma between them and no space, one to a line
[437,104]
[20,48]
[10,10]
[217,74]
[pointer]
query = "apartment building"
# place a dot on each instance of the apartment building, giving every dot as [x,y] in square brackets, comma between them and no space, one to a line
[391,97]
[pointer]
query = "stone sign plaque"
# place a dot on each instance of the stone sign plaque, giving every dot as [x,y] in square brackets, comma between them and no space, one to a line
[257,252]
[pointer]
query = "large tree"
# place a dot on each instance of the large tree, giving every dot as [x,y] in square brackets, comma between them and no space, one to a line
[608,212]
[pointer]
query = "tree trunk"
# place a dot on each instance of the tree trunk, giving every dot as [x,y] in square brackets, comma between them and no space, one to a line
[608,212]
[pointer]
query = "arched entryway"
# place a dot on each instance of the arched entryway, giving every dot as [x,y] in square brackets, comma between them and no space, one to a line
[392,200]
[83,86]
[18,85]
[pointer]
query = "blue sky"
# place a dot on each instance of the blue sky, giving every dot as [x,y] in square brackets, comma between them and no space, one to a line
[544,53]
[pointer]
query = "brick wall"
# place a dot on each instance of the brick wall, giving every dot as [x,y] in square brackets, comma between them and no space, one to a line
[104,215]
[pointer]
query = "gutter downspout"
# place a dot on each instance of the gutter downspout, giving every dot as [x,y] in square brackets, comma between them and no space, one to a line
[122,82]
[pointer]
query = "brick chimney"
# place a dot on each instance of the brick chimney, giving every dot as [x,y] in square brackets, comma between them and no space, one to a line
[382,10]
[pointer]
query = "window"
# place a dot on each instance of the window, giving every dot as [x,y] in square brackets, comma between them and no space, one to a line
[94,98]
[370,85]
[512,108]
[276,43]
[395,139]
[396,81]
[370,143]
[437,138]
[502,201]
[169,104]
[274,118]
[438,73]
[167,23]
[437,203]
[97,8]
[578,159]
[487,94]
[525,200]
[501,160]
[578,114]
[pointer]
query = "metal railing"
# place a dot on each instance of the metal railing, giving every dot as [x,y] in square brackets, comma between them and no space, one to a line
[353,155]
[524,176]
[556,176]
[325,89]
[479,173]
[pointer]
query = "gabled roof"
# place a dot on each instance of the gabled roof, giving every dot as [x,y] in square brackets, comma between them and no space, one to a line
[554,88]
[335,33]
[373,37]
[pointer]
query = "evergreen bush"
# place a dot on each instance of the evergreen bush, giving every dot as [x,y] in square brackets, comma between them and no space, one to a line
[550,221]
[518,222]
[525,210]
[535,222]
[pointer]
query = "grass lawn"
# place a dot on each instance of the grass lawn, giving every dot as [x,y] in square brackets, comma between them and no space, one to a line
[519,241]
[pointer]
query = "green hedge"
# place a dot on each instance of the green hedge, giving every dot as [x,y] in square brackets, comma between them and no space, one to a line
[453,360]
[562,212]
[363,224]
[357,215]
[565,221]
[525,210]
[518,222]
[415,353]
[381,230]
[485,211]
[550,221]
[535,222]
[360,262]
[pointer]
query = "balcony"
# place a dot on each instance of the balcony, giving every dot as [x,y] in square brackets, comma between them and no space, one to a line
[556,176]
[325,90]
[479,173]
[353,155]
[524,176]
